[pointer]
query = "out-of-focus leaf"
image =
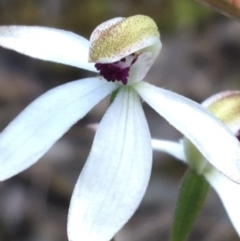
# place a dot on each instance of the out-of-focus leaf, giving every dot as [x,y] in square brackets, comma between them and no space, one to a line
[230,8]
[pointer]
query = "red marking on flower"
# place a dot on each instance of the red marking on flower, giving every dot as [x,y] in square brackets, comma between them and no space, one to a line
[113,73]
[117,71]
[238,135]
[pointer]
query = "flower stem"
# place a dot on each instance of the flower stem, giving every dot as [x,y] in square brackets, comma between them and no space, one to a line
[192,194]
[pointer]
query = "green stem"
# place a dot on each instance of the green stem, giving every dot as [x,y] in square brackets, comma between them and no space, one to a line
[113,96]
[192,194]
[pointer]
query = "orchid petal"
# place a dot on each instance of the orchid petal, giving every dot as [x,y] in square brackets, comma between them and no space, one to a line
[140,68]
[48,44]
[229,193]
[213,139]
[173,148]
[30,135]
[116,173]
[143,63]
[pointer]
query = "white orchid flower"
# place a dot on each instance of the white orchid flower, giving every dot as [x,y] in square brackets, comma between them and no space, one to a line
[225,106]
[116,174]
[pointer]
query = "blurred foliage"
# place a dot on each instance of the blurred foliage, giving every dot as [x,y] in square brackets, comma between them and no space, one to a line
[188,13]
[83,15]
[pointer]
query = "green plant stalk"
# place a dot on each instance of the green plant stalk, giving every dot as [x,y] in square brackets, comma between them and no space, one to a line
[192,194]
[113,96]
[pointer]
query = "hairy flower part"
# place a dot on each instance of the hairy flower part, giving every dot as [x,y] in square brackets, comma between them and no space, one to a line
[120,37]
[116,173]
[226,106]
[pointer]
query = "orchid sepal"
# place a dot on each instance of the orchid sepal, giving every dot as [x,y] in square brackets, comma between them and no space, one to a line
[120,37]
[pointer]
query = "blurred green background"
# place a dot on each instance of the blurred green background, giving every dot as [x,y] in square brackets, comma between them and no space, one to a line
[200,56]
[84,15]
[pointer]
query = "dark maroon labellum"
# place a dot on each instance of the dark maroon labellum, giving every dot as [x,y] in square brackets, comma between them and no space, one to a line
[238,135]
[117,71]
[113,73]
